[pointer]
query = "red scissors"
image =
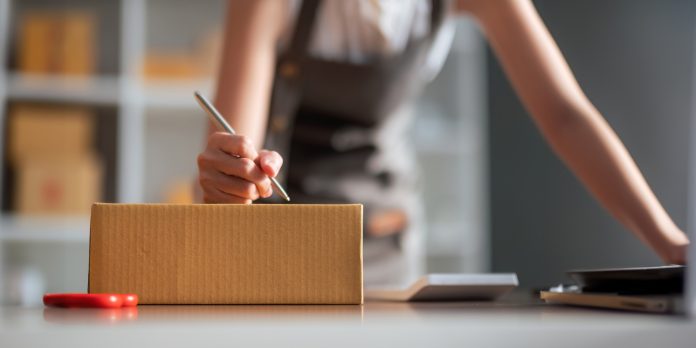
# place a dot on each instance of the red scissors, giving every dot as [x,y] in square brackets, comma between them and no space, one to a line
[90,300]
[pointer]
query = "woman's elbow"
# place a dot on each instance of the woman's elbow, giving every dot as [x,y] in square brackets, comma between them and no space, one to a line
[558,116]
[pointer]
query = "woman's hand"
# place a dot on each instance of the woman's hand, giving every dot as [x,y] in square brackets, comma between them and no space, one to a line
[673,245]
[231,170]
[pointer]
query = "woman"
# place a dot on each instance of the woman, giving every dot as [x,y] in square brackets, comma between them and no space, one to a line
[337,95]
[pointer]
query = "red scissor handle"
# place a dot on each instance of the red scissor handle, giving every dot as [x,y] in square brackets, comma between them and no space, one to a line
[129,300]
[91,300]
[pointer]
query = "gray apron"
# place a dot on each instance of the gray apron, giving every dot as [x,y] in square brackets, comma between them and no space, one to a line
[342,129]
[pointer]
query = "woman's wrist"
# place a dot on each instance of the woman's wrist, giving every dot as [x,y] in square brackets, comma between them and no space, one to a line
[677,251]
[670,242]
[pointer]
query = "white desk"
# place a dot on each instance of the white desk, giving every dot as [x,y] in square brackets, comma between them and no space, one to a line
[429,325]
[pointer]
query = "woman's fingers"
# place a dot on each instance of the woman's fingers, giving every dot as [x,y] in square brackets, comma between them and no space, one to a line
[231,185]
[233,175]
[213,195]
[235,145]
[227,165]
[270,162]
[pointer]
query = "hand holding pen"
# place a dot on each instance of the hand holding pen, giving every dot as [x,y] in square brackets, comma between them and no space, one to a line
[231,169]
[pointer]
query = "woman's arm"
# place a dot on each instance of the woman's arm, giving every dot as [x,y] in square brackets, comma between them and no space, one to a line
[231,169]
[248,61]
[576,131]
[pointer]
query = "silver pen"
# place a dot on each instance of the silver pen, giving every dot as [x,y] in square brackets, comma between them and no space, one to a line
[222,124]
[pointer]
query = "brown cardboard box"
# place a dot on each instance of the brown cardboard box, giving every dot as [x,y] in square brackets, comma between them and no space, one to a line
[57,42]
[36,33]
[227,253]
[36,130]
[77,51]
[209,51]
[50,185]
[170,65]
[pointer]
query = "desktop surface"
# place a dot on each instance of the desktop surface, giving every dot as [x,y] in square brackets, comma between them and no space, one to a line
[517,320]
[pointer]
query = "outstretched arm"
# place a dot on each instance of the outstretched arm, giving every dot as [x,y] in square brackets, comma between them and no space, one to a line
[573,127]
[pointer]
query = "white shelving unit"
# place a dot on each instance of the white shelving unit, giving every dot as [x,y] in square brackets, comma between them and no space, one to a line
[135,101]
[131,133]
[4,41]
[44,229]
[450,141]
[127,91]
[133,98]
[166,94]
[100,90]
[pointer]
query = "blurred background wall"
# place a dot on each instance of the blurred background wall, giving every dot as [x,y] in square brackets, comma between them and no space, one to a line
[634,59]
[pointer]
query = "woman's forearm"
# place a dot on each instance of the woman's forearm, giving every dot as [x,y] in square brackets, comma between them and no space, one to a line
[593,151]
[246,69]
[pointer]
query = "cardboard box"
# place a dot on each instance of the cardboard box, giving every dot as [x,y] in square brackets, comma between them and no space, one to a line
[228,253]
[77,51]
[57,42]
[46,131]
[36,34]
[172,65]
[55,185]
[209,51]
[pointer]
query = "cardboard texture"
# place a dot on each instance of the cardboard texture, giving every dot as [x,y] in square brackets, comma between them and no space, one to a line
[58,185]
[228,253]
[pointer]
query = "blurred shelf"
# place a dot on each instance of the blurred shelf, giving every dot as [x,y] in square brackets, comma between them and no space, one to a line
[175,93]
[447,150]
[451,236]
[44,229]
[91,90]
[445,145]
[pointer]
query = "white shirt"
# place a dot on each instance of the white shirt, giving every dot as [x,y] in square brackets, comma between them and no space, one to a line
[357,30]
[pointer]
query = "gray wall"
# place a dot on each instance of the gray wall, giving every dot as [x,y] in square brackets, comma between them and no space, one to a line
[634,60]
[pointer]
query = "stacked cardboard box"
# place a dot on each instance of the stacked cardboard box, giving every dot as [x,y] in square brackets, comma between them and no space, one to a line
[56,170]
[57,43]
[183,63]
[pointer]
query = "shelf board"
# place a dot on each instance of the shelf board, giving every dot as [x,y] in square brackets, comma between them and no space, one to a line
[164,93]
[44,229]
[56,88]
[175,93]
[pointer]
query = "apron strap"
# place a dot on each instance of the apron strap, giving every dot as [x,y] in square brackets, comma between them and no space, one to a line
[304,26]
[290,63]
[289,87]
[287,84]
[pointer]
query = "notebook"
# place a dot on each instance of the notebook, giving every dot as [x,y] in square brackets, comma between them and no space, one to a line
[643,289]
[450,287]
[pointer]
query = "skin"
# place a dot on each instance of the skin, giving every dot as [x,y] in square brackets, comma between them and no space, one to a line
[243,92]
[572,126]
